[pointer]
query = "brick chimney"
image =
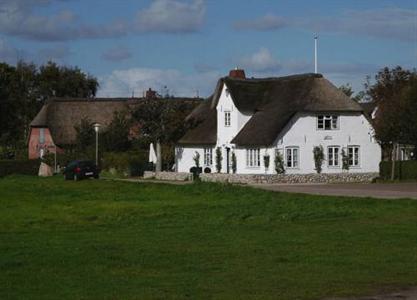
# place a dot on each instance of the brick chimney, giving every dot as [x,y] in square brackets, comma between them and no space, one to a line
[237,73]
[150,94]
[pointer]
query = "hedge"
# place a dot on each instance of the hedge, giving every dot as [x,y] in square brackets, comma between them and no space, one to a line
[22,167]
[132,163]
[404,170]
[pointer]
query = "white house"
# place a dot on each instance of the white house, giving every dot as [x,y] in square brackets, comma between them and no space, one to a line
[254,118]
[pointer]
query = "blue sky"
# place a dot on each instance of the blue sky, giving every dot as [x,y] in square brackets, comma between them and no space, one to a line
[186,45]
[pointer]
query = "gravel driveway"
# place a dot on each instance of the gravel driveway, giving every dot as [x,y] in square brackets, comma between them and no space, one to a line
[376,190]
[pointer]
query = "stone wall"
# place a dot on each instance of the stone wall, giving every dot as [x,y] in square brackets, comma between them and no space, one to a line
[289,178]
[176,176]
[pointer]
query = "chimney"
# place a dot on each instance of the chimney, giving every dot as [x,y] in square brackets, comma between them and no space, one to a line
[237,73]
[150,94]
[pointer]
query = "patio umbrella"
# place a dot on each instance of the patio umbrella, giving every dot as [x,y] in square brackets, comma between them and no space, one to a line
[152,154]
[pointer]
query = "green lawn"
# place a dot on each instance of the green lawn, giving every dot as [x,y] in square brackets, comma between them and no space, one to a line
[119,240]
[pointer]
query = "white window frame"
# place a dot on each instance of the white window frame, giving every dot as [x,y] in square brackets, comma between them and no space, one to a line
[253,158]
[333,156]
[353,152]
[208,157]
[292,157]
[227,118]
[332,119]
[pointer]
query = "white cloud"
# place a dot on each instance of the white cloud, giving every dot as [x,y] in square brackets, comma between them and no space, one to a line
[171,16]
[20,18]
[121,83]
[260,61]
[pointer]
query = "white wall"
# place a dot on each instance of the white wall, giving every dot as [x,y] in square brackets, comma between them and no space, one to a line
[301,132]
[238,120]
[354,130]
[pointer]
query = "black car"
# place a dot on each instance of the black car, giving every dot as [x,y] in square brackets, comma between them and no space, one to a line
[79,169]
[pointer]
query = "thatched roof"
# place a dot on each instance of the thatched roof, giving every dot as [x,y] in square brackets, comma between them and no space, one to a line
[60,115]
[368,107]
[272,102]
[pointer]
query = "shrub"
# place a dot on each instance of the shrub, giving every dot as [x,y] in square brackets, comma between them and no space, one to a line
[219,159]
[22,167]
[234,163]
[404,170]
[266,161]
[345,160]
[196,159]
[207,170]
[318,154]
[279,163]
[127,163]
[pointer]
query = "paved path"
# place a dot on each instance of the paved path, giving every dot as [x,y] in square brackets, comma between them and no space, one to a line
[381,190]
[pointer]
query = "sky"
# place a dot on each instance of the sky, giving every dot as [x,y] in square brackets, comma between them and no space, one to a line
[182,47]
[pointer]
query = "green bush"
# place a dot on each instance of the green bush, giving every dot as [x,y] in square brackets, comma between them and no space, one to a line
[404,170]
[132,163]
[23,167]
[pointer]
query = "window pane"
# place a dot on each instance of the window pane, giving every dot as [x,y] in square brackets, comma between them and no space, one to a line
[295,157]
[356,156]
[334,122]
[289,158]
[320,122]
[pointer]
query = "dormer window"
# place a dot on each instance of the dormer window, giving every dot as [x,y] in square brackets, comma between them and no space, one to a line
[227,118]
[327,122]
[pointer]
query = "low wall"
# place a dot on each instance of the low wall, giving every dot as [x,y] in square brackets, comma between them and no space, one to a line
[177,176]
[289,178]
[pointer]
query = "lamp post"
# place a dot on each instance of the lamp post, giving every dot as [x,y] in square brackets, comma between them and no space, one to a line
[96,129]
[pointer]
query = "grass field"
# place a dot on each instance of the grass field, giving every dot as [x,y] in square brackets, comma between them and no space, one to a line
[117,240]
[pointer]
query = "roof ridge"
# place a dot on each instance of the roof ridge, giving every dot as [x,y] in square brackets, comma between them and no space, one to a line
[281,78]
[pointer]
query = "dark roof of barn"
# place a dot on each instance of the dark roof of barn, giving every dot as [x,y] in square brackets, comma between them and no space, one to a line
[60,115]
[272,103]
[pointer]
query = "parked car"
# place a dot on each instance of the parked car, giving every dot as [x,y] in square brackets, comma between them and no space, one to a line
[79,169]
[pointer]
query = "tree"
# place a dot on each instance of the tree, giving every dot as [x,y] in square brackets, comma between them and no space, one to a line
[234,163]
[162,121]
[219,159]
[62,81]
[85,134]
[345,160]
[318,155]
[116,135]
[409,118]
[394,119]
[348,91]
[24,89]
[279,163]
[266,161]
